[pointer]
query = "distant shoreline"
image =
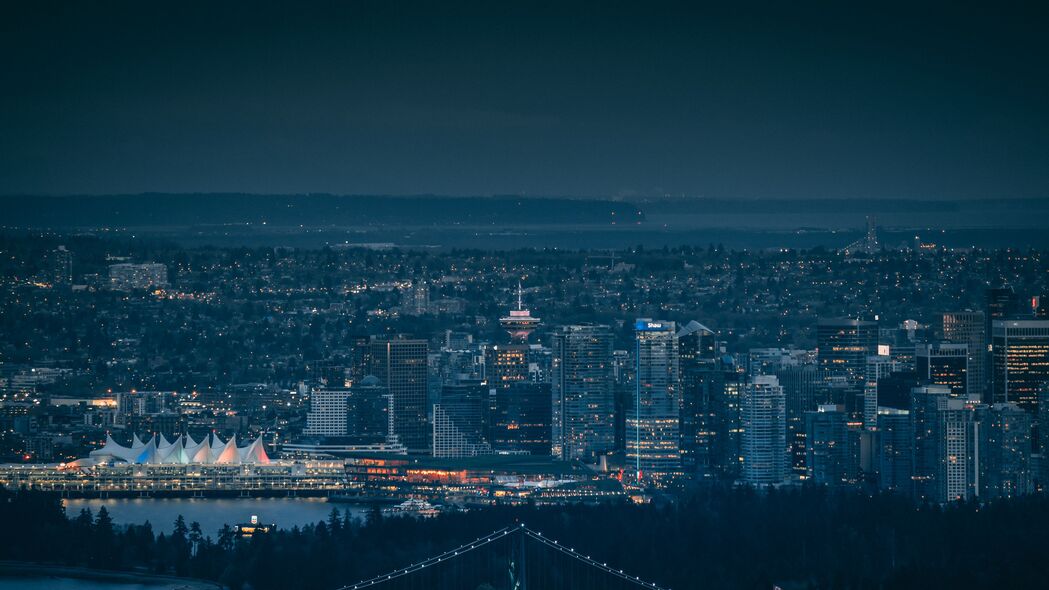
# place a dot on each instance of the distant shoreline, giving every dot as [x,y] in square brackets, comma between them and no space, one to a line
[15,569]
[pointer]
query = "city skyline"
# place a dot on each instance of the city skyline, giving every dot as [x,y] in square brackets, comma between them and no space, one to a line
[383,295]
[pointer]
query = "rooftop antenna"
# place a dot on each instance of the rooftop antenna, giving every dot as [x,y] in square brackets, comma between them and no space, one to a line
[519,305]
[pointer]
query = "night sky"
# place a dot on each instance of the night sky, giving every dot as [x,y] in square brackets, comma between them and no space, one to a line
[807,99]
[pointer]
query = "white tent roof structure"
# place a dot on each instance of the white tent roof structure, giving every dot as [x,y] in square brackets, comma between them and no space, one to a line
[182,452]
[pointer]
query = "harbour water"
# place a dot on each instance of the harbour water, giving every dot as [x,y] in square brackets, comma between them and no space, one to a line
[60,583]
[212,513]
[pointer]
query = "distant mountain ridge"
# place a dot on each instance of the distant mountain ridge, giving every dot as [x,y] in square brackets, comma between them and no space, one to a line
[167,210]
[748,206]
[175,210]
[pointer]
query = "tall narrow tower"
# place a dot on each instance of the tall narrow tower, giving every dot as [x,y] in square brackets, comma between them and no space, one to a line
[519,324]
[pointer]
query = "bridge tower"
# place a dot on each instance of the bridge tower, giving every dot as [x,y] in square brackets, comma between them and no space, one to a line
[517,571]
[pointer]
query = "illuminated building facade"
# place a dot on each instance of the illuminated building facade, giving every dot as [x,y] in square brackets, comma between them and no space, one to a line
[970,327]
[843,345]
[458,421]
[505,364]
[400,365]
[519,418]
[360,413]
[583,410]
[878,367]
[832,447]
[764,412]
[946,458]
[895,450]
[653,443]
[1020,367]
[944,364]
[800,388]
[1005,463]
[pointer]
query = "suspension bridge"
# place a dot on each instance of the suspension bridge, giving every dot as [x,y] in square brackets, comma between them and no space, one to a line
[512,558]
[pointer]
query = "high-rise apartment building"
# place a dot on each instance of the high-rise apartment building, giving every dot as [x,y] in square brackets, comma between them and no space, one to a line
[698,365]
[583,403]
[1001,303]
[62,266]
[1005,452]
[458,421]
[895,451]
[653,420]
[519,418]
[832,447]
[879,366]
[970,328]
[1020,361]
[505,364]
[947,364]
[360,414]
[801,385]
[400,364]
[843,345]
[945,453]
[764,412]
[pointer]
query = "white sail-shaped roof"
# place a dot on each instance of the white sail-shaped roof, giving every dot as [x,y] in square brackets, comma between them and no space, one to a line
[183,451]
[254,453]
[216,447]
[228,454]
[148,453]
[113,451]
[174,453]
[199,453]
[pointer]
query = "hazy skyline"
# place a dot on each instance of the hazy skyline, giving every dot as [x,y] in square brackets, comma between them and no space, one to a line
[811,99]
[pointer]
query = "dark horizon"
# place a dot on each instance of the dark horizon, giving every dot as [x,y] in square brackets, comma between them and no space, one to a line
[810,100]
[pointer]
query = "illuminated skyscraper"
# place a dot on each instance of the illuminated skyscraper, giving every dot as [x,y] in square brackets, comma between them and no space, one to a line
[400,365]
[62,266]
[583,403]
[696,344]
[360,414]
[1020,353]
[946,452]
[519,408]
[505,364]
[832,447]
[879,366]
[944,364]
[458,421]
[765,452]
[519,418]
[801,385]
[703,378]
[1006,470]
[895,451]
[1001,303]
[843,345]
[653,423]
[970,327]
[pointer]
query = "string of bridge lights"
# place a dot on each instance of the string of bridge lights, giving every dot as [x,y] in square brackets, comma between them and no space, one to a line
[465,548]
[495,536]
[589,561]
